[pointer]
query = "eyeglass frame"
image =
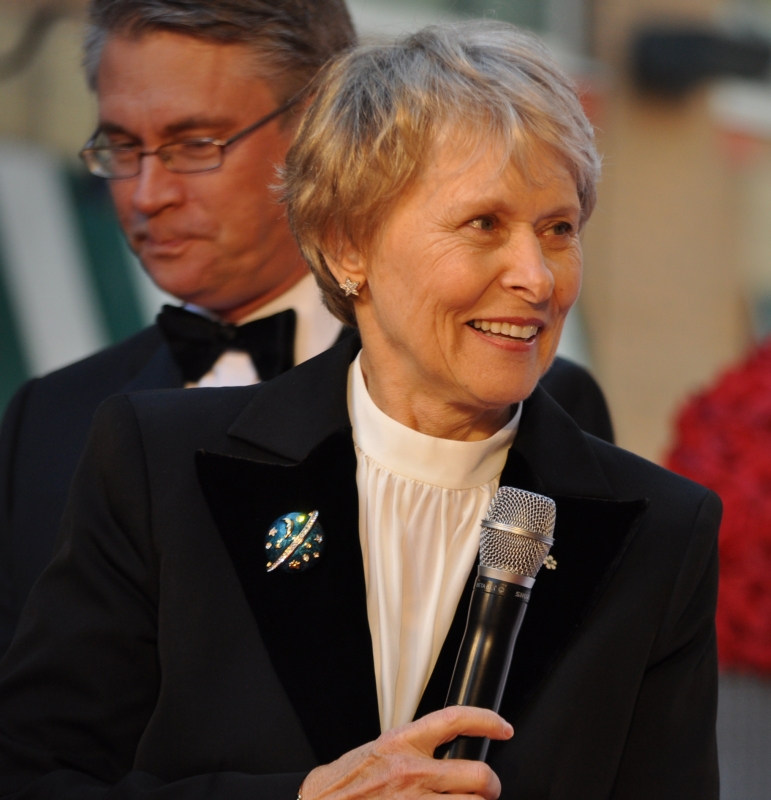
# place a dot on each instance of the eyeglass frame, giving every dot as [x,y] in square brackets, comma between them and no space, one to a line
[220,143]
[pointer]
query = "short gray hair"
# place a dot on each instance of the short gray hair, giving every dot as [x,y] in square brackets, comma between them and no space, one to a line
[291,38]
[379,110]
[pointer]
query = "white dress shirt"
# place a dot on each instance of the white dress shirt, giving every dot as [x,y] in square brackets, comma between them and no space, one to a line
[317,330]
[421,501]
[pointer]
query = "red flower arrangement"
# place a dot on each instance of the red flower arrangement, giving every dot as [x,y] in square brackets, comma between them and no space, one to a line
[724,442]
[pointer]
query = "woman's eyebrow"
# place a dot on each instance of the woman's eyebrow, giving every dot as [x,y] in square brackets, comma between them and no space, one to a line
[566,210]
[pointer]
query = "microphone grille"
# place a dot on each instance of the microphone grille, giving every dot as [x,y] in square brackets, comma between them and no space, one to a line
[532,512]
[508,550]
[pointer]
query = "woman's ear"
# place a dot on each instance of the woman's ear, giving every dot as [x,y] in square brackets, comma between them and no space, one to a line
[346,263]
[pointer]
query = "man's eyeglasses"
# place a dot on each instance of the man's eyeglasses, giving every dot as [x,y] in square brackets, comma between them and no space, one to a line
[193,155]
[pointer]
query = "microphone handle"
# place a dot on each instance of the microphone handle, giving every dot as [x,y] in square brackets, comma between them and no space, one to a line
[495,616]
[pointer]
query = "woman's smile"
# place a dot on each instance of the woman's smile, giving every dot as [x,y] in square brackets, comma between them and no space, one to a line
[510,332]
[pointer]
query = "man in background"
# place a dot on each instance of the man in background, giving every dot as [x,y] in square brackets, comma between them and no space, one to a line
[198,102]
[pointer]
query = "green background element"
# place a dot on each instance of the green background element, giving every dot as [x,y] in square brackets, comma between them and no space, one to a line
[107,267]
[104,252]
[13,366]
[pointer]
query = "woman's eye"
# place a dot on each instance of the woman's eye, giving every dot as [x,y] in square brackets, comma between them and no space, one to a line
[483,223]
[562,229]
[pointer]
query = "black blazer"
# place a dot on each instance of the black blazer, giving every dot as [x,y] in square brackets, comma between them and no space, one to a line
[156,653]
[46,425]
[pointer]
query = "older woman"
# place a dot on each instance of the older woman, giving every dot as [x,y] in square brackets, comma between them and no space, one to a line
[179,647]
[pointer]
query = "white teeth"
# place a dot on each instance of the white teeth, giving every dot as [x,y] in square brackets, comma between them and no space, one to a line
[506,328]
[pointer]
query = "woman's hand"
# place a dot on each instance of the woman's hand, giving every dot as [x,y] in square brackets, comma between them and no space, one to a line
[400,763]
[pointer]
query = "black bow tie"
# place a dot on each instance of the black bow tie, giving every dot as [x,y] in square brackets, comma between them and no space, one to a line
[197,342]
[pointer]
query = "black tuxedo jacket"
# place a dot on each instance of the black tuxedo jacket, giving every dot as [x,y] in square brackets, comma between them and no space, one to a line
[156,658]
[46,425]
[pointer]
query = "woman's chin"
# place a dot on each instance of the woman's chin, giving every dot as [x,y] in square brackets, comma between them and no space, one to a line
[505,377]
[492,394]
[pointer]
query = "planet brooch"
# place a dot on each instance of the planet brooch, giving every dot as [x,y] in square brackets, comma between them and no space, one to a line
[294,542]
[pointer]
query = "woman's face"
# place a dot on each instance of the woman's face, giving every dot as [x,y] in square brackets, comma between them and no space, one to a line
[467,286]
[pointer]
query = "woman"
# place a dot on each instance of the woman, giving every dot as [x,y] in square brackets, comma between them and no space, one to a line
[437,189]
[442,186]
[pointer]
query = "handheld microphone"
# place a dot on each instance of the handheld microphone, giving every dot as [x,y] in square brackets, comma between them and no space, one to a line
[515,540]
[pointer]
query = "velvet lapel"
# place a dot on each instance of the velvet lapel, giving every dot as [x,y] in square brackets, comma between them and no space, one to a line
[313,623]
[591,535]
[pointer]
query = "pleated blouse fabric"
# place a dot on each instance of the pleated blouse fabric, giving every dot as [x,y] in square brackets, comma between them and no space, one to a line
[421,500]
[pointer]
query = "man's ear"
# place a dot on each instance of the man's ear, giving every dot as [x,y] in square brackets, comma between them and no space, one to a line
[347,262]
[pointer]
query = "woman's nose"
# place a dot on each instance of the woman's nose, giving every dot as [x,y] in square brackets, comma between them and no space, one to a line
[525,270]
[156,187]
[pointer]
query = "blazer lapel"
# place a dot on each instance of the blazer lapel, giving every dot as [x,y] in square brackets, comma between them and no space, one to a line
[160,372]
[591,536]
[593,530]
[592,533]
[314,623]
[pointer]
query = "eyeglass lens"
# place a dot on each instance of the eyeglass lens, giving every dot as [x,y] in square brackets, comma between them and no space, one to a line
[125,162]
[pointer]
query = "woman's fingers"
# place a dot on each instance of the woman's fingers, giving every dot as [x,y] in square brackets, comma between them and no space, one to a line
[400,764]
[373,774]
[427,733]
[467,778]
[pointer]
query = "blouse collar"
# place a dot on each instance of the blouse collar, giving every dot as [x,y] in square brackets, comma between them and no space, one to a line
[446,463]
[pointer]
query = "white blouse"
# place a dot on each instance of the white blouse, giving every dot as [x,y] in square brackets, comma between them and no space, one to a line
[421,501]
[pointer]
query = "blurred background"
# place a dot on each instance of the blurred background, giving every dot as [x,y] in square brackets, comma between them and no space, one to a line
[678,254]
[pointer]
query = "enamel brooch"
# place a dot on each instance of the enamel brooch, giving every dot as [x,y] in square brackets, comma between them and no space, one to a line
[294,542]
